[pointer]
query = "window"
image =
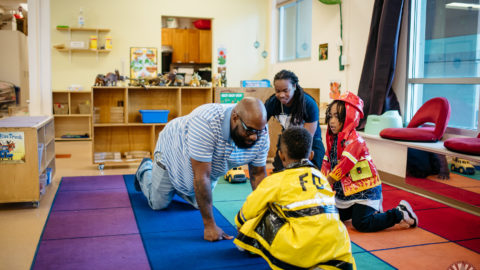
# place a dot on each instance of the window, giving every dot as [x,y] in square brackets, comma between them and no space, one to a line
[294,30]
[444,59]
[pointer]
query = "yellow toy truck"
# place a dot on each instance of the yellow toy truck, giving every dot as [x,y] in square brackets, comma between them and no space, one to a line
[462,166]
[236,175]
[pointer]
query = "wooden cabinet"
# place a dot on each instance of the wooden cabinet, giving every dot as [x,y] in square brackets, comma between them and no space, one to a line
[189,45]
[33,138]
[167,36]
[117,122]
[205,46]
[73,121]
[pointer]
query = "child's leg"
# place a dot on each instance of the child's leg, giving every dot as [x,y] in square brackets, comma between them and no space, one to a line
[367,219]
[277,162]
[345,214]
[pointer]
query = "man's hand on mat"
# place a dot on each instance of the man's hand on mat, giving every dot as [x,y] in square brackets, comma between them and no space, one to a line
[215,233]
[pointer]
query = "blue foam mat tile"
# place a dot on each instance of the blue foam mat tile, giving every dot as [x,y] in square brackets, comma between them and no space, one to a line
[366,260]
[356,248]
[231,192]
[179,215]
[164,248]
[229,209]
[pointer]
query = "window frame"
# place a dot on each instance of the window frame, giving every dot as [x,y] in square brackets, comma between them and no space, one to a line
[284,3]
[417,26]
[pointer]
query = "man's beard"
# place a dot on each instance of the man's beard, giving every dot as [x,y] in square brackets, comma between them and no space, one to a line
[239,141]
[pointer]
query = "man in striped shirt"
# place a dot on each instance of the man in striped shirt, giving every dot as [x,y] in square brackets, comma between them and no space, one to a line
[194,150]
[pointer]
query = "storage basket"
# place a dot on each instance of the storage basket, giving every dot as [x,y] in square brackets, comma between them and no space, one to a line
[60,108]
[116,114]
[84,108]
[154,116]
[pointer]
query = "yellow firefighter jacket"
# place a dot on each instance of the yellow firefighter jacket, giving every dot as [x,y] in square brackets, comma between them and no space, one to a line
[291,220]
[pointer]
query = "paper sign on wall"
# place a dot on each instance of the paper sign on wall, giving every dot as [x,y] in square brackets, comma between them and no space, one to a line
[230,97]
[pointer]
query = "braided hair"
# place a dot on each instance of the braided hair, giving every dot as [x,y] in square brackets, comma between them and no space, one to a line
[298,104]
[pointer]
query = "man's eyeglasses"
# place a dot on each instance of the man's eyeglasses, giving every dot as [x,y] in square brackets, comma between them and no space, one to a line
[250,131]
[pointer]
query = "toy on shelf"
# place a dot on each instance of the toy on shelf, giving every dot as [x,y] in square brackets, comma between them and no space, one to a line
[195,80]
[110,79]
[216,80]
[99,80]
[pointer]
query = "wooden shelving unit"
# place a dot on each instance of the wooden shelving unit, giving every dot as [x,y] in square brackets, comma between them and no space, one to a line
[131,134]
[83,35]
[20,180]
[74,122]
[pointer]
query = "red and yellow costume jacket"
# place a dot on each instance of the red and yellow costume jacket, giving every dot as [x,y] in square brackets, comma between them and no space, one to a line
[354,169]
[291,220]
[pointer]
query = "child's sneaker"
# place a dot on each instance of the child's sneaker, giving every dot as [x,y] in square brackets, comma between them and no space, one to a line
[140,171]
[408,215]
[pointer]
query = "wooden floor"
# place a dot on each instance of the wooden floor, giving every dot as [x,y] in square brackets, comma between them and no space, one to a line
[21,225]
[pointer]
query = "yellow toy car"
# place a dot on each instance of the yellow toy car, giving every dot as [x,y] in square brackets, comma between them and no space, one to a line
[236,175]
[462,166]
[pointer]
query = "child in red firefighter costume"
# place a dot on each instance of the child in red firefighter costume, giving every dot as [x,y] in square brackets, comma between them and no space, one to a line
[350,170]
[290,219]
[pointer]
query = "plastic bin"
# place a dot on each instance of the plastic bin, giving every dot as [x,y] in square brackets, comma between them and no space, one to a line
[376,123]
[154,116]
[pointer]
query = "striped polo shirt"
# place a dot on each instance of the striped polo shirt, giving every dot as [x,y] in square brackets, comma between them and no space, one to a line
[204,135]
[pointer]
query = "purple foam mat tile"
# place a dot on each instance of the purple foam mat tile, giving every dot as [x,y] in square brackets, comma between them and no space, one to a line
[90,223]
[108,252]
[92,182]
[91,199]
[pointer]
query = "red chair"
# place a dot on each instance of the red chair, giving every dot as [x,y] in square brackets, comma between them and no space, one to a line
[464,145]
[436,111]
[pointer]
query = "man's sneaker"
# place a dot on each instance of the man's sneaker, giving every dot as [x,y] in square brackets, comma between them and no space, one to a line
[140,171]
[408,215]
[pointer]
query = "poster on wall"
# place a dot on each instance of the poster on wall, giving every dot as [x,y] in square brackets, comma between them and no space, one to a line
[143,62]
[323,52]
[335,89]
[12,147]
[222,57]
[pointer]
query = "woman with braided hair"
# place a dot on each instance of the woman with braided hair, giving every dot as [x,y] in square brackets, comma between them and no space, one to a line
[291,106]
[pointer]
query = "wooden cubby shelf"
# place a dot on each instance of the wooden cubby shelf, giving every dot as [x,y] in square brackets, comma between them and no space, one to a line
[25,180]
[117,123]
[76,120]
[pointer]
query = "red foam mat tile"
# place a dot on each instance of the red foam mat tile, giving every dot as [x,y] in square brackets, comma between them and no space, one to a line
[473,244]
[445,190]
[450,223]
[391,198]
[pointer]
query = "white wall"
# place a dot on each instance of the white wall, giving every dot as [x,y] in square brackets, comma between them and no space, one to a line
[326,29]
[14,59]
[235,25]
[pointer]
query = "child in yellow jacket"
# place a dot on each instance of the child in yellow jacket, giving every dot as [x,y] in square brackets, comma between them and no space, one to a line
[290,219]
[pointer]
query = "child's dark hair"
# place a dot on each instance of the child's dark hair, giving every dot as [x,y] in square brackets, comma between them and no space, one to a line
[298,142]
[298,108]
[340,109]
